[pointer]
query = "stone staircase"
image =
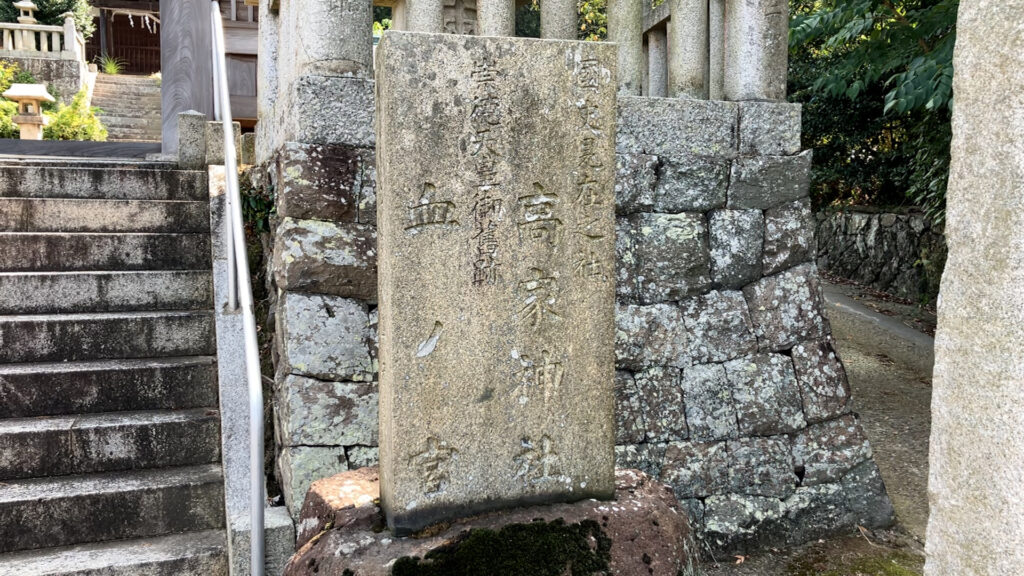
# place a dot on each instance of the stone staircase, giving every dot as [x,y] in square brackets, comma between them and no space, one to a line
[130,107]
[110,443]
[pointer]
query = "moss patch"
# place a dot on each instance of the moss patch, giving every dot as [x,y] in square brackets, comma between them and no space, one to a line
[536,549]
[893,563]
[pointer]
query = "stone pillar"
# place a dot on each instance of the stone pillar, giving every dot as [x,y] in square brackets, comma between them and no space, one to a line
[267,83]
[657,63]
[688,52]
[496,17]
[716,49]
[756,49]
[976,460]
[334,37]
[192,140]
[559,19]
[186,62]
[425,16]
[625,28]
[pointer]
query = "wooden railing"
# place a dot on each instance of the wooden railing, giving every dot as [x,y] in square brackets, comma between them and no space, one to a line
[39,41]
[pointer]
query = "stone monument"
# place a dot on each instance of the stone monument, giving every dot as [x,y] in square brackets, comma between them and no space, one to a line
[496,166]
[976,472]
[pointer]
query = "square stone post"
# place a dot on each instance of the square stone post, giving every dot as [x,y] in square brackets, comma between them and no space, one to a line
[192,140]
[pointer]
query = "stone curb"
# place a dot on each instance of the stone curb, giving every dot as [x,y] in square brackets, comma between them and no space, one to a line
[877,333]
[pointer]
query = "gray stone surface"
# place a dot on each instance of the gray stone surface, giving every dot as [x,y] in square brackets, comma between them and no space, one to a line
[761,467]
[677,128]
[192,140]
[248,152]
[323,337]
[766,395]
[710,413]
[215,142]
[688,57]
[757,50]
[786,308]
[300,466]
[691,183]
[635,176]
[762,182]
[362,456]
[314,104]
[317,413]
[661,402]
[823,385]
[319,182]
[650,336]
[326,258]
[672,256]
[476,329]
[696,469]
[657,64]
[334,38]
[788,236]
[866,496]
[644,457]
[737,240]
[829,450]
[558,20]
[769,128]
[625,29]
[718,326]
[630,426]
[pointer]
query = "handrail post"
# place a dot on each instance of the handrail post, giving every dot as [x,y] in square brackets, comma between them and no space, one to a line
[239,269]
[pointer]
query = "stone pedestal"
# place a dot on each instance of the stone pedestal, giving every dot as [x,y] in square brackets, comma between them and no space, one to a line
[496,283]
[31,127]
[642,532]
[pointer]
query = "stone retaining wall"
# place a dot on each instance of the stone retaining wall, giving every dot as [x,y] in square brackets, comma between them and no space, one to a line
[902,254]
[728,386]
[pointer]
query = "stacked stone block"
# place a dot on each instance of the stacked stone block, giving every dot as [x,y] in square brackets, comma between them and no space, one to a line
[728,384]
[325,270]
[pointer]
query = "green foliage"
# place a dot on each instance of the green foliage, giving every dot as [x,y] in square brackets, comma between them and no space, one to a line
[593,20]
[76,121]
[875,77]
[111,65]
[528,20]
[8,72]
[258,206]
[52,12]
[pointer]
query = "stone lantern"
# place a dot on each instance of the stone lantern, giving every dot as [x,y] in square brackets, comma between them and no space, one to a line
[26,12]
[30,114]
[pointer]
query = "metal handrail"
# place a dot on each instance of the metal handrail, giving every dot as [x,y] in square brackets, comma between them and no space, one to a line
[240,295]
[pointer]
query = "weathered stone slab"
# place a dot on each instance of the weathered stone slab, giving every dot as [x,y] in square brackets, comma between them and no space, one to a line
[788,236]
[677,128]
[661,401]
[823,385]
[635,176]
[769,128]
[629,415]
[650,336]
[737,239]
[644,457]
[671,252]
[762,182]
[323,337]
[317,181]
[315,106]
[719,326]
[786,307]
[496,236]
[326,258]
[691,184]
[710,414]
[762,467]
[300,466]
[696,469]
[827,451]
[765,394]
[317,413]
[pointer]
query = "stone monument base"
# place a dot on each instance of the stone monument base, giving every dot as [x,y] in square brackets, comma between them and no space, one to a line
[643,531]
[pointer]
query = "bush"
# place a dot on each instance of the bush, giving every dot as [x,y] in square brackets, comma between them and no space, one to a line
[75,121]
[52,12]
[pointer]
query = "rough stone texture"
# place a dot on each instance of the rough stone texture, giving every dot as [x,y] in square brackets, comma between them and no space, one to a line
[976,457]
[719,327]
[320,182]
[765,394]
[326,258]
[215,142]
[323,337]
[762,182]
[672,257]
[688,57]
[786,308]
[788,236]
[646,457]
[762,467]
[635,176]
[629,416]
[696,469]
[661,402]
[362,456]
[769,128]
[192,140]
[67,76]
[823,385]
[899,253]
[299,466]
[829,450]
[737,239]
[677,128]
[691,183]
[314,105]
[649,336]
[710,413]
[317,413]
[481,308]
[647,527]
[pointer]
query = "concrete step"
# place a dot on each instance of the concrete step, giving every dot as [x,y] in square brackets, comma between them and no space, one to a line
[107,442]
[86,181]
[54,388]
[101,215]
[99,336]
[68,252]
[128,113]
[140,122]
[69,292]
[131,133]
[102,78]
[67,510]
[189,554]
[128,92]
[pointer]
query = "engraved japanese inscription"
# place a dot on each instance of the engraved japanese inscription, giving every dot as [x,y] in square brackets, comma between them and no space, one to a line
[496,287]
